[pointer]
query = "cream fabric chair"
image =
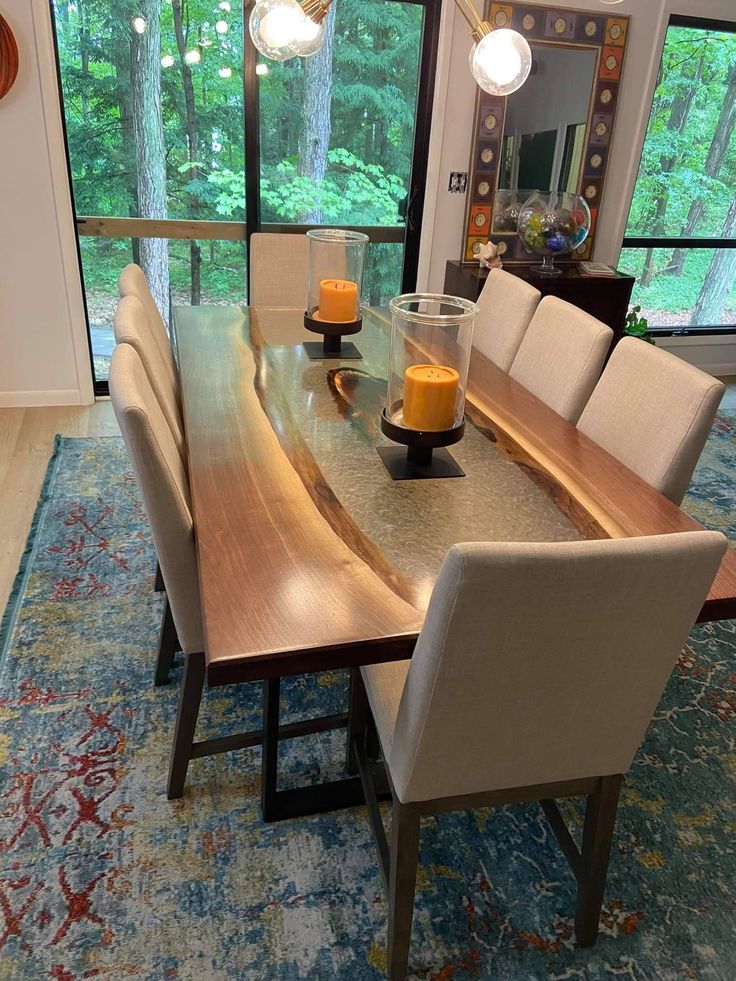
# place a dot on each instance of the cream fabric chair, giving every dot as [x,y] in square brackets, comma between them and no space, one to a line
[132,282]
[561,356]
[279,270]
[165,489]
[535,676]
[507,304]
[132,327]
[653,412]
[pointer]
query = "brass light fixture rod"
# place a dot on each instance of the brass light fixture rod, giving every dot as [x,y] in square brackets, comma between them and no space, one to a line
[316,10]
[478,28]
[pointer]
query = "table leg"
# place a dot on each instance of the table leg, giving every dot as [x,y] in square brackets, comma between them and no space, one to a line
[276,805]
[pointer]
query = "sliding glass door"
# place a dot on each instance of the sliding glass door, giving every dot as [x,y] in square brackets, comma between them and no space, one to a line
[181,143]
[153,106]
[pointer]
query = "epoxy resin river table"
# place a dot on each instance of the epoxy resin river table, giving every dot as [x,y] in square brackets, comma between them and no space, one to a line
[310,556]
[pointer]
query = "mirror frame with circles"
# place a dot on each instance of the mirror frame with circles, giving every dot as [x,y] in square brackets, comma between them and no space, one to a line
[607,36]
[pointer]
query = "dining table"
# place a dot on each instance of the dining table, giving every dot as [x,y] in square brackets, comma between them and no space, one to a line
[311,558]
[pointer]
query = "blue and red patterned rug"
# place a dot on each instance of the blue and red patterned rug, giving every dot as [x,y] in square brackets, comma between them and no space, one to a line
[102,877]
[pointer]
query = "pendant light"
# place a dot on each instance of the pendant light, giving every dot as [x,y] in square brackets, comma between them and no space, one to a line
[283,29]
[500,60]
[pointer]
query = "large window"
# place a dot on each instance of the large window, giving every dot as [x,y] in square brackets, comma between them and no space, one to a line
[181,144]
[681,234]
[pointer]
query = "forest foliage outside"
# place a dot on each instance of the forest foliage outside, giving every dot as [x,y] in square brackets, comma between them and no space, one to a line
[153,99]
[687,184]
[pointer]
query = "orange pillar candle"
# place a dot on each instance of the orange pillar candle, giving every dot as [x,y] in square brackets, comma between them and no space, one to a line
[430,394]
[337,301]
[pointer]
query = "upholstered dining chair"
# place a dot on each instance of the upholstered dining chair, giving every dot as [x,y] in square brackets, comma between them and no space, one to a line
[653,412]
[561,356]
[165,490]
[132,282]
[506,306]
[279,270]
[535,676]
[131,327]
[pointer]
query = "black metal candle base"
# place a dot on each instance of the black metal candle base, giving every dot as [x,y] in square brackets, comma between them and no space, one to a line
[332,348]
[424,457]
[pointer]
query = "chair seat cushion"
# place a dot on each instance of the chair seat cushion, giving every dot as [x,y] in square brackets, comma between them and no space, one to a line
[384,684]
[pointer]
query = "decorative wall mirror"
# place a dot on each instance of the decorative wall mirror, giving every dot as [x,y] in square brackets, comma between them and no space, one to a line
[552,134]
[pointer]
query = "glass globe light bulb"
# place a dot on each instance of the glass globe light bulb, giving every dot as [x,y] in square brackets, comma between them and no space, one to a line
[192,57]
[222,27]
[310,39]
[501,61]
[167,61]
[139,24]
[274,27]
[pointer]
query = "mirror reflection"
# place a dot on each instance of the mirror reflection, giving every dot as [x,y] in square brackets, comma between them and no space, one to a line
[546,121]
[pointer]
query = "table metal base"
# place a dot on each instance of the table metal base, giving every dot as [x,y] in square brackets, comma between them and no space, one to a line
[277,805]
[315,351]
[400,467]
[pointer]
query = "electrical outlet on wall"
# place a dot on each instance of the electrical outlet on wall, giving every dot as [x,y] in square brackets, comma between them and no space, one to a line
[458,182]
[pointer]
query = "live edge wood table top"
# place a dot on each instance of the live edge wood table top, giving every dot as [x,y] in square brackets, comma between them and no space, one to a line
[310,556]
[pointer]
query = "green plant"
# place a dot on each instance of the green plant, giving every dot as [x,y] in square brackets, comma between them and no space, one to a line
[636,326]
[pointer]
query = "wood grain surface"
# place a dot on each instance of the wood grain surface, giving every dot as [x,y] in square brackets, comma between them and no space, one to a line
[289,581]
[281,591]
[8,58]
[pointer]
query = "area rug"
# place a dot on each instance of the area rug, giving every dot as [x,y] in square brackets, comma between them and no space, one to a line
[102,877]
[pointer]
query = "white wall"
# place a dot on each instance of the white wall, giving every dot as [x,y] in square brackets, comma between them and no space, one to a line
[44,358]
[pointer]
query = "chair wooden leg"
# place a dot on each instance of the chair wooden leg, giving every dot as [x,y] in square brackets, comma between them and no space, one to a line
[600,819]
[402,883]
[168,645]
[158,583]
[358,712]
[186,723]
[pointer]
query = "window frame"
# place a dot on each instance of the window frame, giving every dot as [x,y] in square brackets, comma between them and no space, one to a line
[679,241]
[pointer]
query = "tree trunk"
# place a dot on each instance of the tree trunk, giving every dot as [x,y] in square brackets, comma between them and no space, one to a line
[719,279]
[195,253]
[714,161]
[677,121]
[120,59]
[84,58]
[150,149]
[314,134]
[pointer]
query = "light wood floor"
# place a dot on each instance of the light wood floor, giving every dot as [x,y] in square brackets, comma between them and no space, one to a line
[26,442]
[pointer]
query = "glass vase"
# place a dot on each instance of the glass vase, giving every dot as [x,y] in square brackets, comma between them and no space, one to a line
[431,342]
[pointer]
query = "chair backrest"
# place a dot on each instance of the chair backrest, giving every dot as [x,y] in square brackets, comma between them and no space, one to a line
[506,304]
[131,327]
[165,489]
[133,282]
[279,270]
[544,662]
[653,412]
[561,356]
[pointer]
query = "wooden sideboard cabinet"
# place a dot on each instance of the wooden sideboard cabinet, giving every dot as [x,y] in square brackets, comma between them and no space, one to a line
[604,297]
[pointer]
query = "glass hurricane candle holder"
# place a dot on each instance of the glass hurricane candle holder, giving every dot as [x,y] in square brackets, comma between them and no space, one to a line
[431,340]
[553,225]
[336,261]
